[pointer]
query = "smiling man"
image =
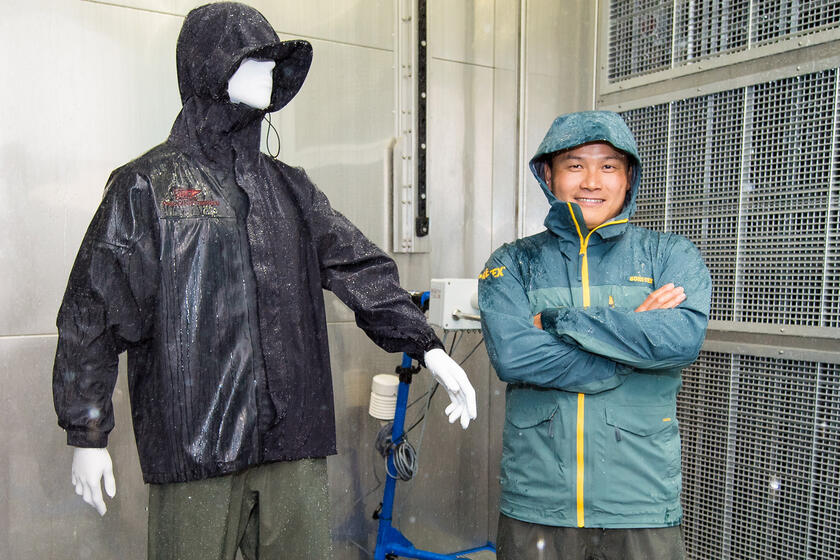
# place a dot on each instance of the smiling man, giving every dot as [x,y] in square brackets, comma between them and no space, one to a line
[590,323]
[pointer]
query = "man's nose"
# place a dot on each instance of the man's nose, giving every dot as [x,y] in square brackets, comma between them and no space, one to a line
[589,181]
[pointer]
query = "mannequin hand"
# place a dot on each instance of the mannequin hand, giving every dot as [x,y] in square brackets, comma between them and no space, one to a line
[454,380]
[90,465]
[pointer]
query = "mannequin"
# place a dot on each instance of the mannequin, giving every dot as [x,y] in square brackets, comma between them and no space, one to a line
[251,85]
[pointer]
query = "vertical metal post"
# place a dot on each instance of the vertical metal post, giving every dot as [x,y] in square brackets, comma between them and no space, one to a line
[521,116]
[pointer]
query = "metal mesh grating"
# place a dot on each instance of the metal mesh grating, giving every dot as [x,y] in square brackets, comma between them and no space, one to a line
[761,458]
[789,134]
[752,180]
[825,504]
[772,450]
[702,408]
[652,140]
[704,183]
[831,293]
[647,36]
[709,28]
[640,37]
[774,20]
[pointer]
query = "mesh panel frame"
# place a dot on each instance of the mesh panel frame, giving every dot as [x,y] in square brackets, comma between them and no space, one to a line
[761,458]
[648,36]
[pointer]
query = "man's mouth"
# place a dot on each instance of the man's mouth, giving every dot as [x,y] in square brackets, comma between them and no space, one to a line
[589,201]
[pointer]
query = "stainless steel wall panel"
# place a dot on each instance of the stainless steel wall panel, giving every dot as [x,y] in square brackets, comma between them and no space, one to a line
[560,74]
[356,22]
[506,35]
[339,128]
[505,113]
[460,167]
[462,31]
[445,507]
[41,515]
[83,103]
[544,104]
[505,154]
[353,472]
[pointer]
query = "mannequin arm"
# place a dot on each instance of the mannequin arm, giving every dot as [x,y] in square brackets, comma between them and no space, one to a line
[461,393]
[90,466]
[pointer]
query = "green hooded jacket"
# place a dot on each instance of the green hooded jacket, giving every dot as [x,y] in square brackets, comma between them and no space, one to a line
[591,436]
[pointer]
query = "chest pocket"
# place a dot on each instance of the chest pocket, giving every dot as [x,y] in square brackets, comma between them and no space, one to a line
[627,297]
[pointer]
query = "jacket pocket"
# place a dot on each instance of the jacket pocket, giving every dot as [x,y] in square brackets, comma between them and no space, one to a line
[531,470]
[641,420]
[641,460]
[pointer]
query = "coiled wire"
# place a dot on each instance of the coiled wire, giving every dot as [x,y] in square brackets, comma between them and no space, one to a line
[405,457]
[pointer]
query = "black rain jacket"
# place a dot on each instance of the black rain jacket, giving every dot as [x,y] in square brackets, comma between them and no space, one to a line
[205,262]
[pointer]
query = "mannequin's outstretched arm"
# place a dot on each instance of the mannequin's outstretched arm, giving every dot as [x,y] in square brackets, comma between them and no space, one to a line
[91,466]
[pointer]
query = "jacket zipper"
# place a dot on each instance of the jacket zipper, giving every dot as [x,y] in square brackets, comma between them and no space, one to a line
[584,274]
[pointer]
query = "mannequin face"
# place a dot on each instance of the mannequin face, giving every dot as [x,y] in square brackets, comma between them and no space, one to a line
[252,83]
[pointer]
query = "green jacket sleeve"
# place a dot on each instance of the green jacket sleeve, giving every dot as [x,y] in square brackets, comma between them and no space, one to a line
[647,340]
[522,353]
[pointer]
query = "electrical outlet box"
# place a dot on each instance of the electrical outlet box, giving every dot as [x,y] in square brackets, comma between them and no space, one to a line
[453,304]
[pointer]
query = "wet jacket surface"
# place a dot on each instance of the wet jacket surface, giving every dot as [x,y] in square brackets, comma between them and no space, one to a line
[205,262]
[591,436]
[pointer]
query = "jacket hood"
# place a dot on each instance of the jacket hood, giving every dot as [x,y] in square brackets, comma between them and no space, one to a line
[572,130]
[214,40]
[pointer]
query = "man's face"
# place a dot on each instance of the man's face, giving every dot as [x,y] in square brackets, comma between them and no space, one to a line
[596,176]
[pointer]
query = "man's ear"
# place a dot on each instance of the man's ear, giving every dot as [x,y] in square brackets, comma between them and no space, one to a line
[547,171]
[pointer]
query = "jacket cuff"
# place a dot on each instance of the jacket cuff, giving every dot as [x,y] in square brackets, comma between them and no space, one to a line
[86,438]
[427,342]
[550,318]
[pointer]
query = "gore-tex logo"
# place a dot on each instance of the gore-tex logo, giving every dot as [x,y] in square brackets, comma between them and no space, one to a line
[187,197]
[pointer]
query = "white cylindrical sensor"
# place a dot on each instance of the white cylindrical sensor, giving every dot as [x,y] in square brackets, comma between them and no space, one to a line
[383,396]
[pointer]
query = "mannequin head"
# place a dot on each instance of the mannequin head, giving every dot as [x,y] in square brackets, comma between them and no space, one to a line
[252,83]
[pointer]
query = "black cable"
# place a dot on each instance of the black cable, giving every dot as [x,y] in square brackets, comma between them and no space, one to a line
[471,352]
[276,134]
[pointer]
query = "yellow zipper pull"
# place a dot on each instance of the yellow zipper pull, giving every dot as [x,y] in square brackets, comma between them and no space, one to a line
[612,302]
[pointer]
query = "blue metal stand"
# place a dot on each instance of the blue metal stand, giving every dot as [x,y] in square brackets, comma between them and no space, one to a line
[390,542]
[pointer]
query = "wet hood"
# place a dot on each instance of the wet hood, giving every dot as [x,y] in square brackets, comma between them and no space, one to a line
[574,129]
[214,40]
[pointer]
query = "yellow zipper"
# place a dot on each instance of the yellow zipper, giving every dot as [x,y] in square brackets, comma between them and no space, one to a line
[584,278]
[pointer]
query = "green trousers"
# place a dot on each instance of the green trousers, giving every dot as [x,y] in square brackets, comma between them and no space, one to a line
[519,540]
[274,511]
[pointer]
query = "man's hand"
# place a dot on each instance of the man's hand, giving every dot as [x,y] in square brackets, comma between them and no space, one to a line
[90,466]
[666,297]
[538,321]
[461,393]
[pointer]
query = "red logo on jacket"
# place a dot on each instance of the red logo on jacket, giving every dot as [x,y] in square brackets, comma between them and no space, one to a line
[187,197]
